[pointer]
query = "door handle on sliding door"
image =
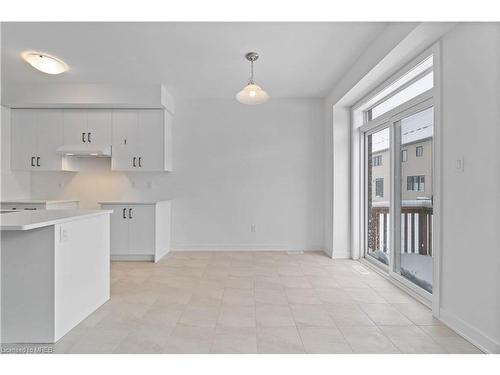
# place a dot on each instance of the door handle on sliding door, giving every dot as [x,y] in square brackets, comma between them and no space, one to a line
[88,138]
[32,161]
[83,137]
[124,213]
[130,213]
[38,161]
[133,161]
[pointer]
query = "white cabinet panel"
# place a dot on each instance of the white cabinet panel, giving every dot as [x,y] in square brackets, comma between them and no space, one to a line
[141,229]
[75,126]
[99,127]
[36,134]
[150,140]
[23,139]
[119,230]
[139,140]
[124,140]
[49,138]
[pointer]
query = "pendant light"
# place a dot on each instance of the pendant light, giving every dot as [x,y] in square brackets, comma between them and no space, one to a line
[252,93]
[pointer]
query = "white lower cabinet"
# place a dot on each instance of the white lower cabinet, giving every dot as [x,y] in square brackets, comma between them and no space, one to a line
[139,230]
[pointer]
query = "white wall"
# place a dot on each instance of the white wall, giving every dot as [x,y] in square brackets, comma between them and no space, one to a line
[470,277]
[337,141]
[13,184]
[234,166]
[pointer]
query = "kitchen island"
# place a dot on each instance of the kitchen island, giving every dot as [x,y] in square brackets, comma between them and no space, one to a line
[54,271]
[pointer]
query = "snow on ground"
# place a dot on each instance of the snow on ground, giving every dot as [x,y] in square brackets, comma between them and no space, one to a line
[415,267]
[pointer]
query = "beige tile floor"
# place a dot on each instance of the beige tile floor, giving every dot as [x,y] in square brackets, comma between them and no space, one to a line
[261,302]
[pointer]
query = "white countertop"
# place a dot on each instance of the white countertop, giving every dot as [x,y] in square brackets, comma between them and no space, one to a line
[134,202]
[25,220]
[39,201]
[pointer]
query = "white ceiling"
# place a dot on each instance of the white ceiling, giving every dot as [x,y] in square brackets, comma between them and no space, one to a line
[192,59]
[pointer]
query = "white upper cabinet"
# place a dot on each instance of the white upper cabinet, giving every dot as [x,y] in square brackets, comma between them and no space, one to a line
[141,140]
[50,137]
[23,139]
[99,127]
[87,128]
[124,138]
[75,126]
[35,136]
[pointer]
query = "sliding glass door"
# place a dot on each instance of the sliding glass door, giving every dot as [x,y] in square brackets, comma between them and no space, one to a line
[377,190]
[399,196]
[414,135]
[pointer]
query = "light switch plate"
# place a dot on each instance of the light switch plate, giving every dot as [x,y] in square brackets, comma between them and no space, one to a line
[459,165]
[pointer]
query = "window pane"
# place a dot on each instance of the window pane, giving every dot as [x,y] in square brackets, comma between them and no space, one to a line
[377,232]
[422,85]
[393,87]
[414,258]
[419,151]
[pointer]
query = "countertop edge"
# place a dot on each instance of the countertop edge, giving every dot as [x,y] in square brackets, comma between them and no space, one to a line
[133,202]
[38,201]
[53,222]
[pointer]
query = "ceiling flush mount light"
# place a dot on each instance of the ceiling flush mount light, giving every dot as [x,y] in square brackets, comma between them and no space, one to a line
[45,63]
[252,93]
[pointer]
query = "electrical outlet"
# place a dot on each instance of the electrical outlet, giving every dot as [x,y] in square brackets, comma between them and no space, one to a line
[252,228]
[63,235]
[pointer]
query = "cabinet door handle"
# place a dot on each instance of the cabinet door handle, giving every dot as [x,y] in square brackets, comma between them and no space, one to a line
[133,161]
[88,137]
[140,159]
[124,210]
[83,137]
[130,213]
[32,161]
[38,161]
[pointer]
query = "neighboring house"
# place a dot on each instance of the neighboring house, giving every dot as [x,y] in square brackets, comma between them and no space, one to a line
[416,172]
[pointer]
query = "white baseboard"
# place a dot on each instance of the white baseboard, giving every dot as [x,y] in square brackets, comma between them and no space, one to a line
[484,342]
[243,247]
[132,258]
[341,255]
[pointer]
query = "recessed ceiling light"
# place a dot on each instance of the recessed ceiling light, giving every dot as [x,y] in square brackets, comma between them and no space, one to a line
[45,63]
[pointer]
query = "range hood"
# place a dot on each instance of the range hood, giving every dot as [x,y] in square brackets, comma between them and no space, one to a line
[85,150]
